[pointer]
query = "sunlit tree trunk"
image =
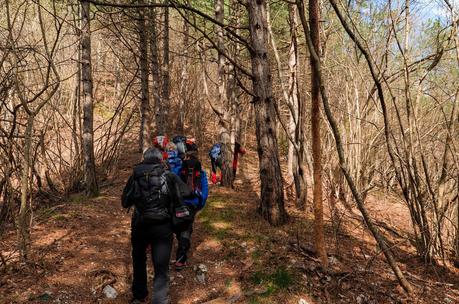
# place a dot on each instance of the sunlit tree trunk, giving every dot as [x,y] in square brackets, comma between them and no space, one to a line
[90,180]
[297,117]
[233,89]
[272,195]
[24,216]
[224,117]
[319,235]
[184,78]
[156,73]
[145,110]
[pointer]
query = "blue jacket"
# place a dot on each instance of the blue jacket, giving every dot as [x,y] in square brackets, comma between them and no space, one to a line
[174,161]
[199,198]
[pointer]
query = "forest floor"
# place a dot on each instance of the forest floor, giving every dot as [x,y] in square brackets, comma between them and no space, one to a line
[80,246]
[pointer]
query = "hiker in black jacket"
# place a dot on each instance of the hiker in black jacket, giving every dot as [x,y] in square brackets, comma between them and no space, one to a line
[153,191]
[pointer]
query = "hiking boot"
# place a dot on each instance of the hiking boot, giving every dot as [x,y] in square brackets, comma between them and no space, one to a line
[137,301]
[180,265]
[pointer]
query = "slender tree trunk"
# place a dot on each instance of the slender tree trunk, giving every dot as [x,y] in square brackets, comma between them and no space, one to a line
[183,98]
[292,90]
[145,110]
[76,118]
[92,188]
[24,217]
[297,116]
[156,75]
[272,195]
[165,96]
[233,89]
[224,119]
[319,236]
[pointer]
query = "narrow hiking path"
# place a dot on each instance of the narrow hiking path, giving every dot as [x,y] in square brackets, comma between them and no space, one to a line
[83,245]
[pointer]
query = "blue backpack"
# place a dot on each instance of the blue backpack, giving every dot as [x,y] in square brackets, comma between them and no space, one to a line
[174,161]
[215,151]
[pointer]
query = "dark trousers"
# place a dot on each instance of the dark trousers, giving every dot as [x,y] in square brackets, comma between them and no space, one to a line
[159,237]
[184,240]
[184,244]
[216,163]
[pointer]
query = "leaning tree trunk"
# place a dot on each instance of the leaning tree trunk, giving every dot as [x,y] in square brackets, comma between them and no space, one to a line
[224,119]
[90,180]
[272,196]
[145,110]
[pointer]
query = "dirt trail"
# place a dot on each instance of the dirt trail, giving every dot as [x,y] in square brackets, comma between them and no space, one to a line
[80,246]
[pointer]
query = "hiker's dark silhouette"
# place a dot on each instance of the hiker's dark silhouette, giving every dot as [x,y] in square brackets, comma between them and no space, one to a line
[154,192]
[196,179]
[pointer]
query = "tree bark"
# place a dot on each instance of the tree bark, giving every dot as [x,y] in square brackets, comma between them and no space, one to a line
[297,117]
[90,180]
[233,89]
[165,96]
[184,79]
[224,119]
[24,216]
[145,110]
[272,195]
[156,74]
[319,236]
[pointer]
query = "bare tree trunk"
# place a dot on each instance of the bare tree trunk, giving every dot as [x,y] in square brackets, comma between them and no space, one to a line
[319,236]
[184,79]
[294,128]
[224,119]
[92,188]
[297,117]
[145,110]
[233,89]
[76,117]
[24,217]
[165,96]
[156,75]
[272,194]
[292,161]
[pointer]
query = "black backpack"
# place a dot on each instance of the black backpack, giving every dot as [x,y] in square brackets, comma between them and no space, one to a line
[191,174]
[152,203]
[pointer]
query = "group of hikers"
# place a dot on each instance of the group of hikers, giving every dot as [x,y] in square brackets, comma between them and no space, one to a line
[166,190]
